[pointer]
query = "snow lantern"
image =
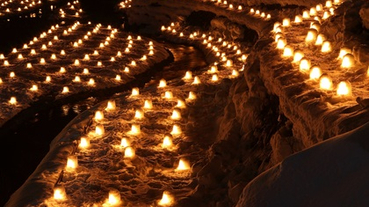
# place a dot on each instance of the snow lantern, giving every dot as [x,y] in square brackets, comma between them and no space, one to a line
[168,95]
[281,43]
[320,39]
[110,105]
[99,116]
[286,22]
[166,199]
[315,73]
[84,143]
[34,88]
[348,61]
[312,11]
[114,198]
[48,79]
[85,71]
[196,80]
[213,69]
[276,25]
[91,82]
[12,74]
[135,92]
[344,88]
[287,51]
[311,36]
[129,152]
[176,114]
[13,100]
[65,89]
[167,142]
[326,47]
[343,52]
[325,82]
[181,103]
[99,130]
[148,104]
[76,62]
[214,78]
[135,129]
[62,70]
[183,165]
[305,14]
[298,19]
[328,4]
[191,95]
[304,65]
[72,163]
[176,130]
[229,63]
[59,193]
[6,63]
[139,114]
[124,142]
[162,83]
[277,36]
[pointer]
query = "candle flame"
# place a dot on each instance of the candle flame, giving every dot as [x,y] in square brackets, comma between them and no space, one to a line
[344,88]
[72,163]
[325,82]
[129,152]
[84,143]
[166,199]
[183,165]
[59,193]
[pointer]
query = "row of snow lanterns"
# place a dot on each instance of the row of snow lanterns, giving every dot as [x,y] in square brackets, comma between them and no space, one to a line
[313,38]
[72,8]
[77,79]
[215,46]
[8,6]
[254,12]
[129,153]
[125,4]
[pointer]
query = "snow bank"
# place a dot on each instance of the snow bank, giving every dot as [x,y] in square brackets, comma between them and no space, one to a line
[332,173]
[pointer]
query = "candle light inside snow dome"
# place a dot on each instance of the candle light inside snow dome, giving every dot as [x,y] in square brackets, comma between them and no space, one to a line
[311,36]
[176,114]
[286,22]
[343,52]
[162,83]
[114,198]
[168,95]
[287,51]
[166,199]
[180,104]
[13,100]
[139,114]
[124,142]
[348,61]
[84,143]
[99,115]
[325,82]
[167,142]
[72,163]
[176,130]
[135,129]
[110,105]
[326,47]
[148,104]
[188,75]
[344,88]
[65,89]
[304,65]
[183,165]
[59,193]
[320,39]
[298,56]
[298,19]
[129,152]
[315,73]
[196,80]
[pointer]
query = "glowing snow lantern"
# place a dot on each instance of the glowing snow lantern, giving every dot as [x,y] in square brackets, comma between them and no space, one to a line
[99,130]
[114,198]
[305,14]
[20,56]
[99,116]
[53,57]
[286,22]
[304,65]
[162,83]
[139,114]
[191,95]
[124,142]
[99,63]
[168,95]
[25,46]
[43,47]
[325,82]
[133,63]
[315,73]
[196,80]
[42,61]
[213,69]
[85,71]
[129,152]
[62,52]
[166,199]
[167,142]
[91,82]
[326,15]
[76,62]
[13,100]
[86,57]
[84,143]
[229,63]
[2,56]
[311,36]
[72,163]
[298,19]
[135,92]
[343,52]
[6,63]
[312,11]
[320,39]
[96,53]
[176,130]
[234,73]
[188,75]
[176,114]
[110,105]
[315,26]
[326,47]
[298,56]
[183,165]
[65,89]
[48,79]
[118,78]
[14,50]
[62,70]
[135,129]
[276,25]
[281,43]
[12,74]
[347,61]
[126,69]
[328,4]
[214,78]
[344,88]
[180,104]
[59,193]
[287,51]
[34,88]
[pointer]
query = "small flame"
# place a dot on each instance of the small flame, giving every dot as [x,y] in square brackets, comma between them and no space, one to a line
[325,83]
[99,116]
[59,193]
[162,83]
[176,114]
[167,142]
[176,130]
[99,130]
[344,88]
[183,165]
[72,163]
[84,143]
[129,152]
[166,199]
[110,106]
